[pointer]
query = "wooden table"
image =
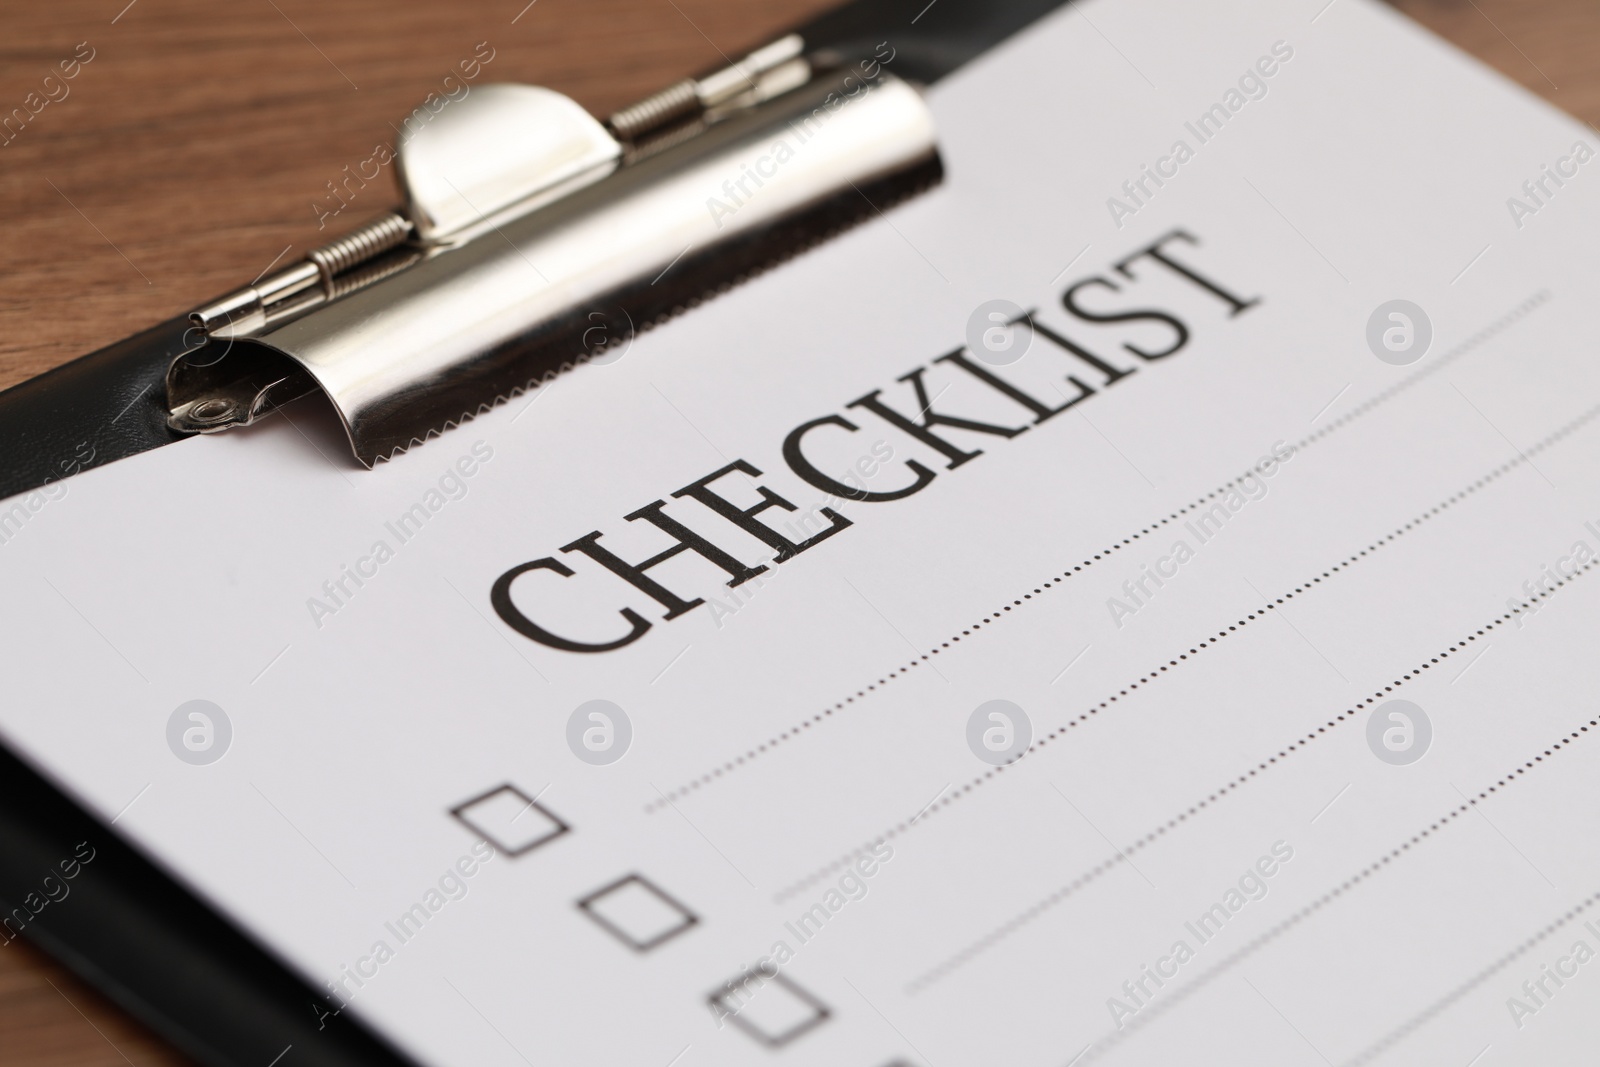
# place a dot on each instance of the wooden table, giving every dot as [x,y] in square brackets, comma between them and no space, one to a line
[198,141]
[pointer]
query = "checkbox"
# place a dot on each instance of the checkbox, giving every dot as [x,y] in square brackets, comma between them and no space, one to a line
[768,1006]
[510,820]
[637,912]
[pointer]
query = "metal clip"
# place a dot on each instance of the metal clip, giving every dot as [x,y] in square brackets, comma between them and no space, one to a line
[325,274]
[413,323]
[760,75]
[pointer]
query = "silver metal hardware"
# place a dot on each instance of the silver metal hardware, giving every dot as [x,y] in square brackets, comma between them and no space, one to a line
[726,84]
[413,323]
[693,97]
[503,150]
[300,288]
[212,409]
[353,249]
[657,110]
[214,397]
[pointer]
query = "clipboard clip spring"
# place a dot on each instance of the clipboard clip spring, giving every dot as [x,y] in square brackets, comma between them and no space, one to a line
[327,273]
[760,75]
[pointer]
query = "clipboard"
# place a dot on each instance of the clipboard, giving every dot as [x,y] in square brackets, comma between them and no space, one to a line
[162,384]
[1133,634]
[138,935]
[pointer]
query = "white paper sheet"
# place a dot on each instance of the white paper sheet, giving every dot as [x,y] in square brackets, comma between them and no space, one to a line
[799,778]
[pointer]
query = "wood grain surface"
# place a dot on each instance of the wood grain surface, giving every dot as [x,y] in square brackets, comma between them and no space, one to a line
[196,144]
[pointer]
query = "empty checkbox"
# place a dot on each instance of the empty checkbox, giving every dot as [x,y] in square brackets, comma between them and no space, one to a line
[637,912]
[768,1006]
[510,820]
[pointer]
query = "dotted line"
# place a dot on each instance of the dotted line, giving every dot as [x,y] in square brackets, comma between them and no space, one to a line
[1519,312]
[1395,1036]
[1033,912]
[1366,873]
[1239,624]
